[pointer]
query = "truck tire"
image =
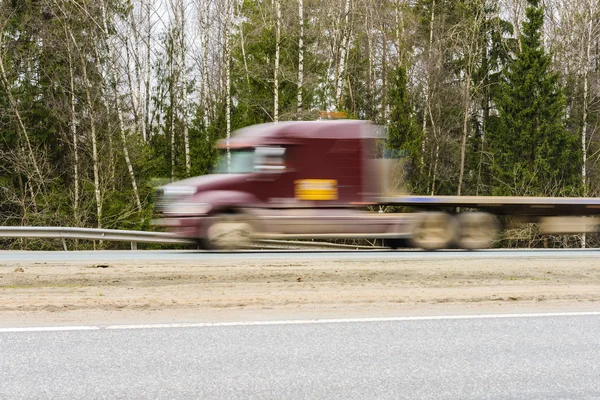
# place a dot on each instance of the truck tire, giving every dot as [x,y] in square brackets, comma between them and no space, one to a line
[229,232]
[477,230]
[434,230]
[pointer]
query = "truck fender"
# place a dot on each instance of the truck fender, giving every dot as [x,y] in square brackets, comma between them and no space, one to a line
[226,200]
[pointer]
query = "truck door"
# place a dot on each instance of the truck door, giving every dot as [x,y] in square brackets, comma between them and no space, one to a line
[273,179]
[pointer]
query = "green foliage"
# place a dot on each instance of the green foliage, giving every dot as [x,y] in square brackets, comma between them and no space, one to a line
[494,44]
[253,66]
[533,153]
[169,119]
[252,82]
[403,133]
[202,141]
[360,98]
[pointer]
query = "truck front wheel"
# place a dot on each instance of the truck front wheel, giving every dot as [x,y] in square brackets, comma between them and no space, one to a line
[229,232]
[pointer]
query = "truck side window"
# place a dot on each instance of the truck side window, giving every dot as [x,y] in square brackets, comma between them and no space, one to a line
[269,159]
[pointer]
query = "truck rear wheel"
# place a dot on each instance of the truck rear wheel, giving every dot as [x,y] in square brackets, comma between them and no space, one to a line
[477,230]
[434,230]
[229,232]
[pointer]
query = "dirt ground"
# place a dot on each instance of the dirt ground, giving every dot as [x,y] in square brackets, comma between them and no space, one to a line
[197,291]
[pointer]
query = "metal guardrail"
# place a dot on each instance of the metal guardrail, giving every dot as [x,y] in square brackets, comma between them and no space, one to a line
[135,237]
[116,235]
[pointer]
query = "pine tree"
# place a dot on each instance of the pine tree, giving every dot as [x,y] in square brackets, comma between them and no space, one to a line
[403,134]
[533,153]
[402,128]
[496,49]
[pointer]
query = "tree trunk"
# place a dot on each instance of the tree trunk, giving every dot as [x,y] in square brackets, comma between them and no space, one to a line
[436,155]
[74,136]
[399,32]
[300,59]
[463,145]
[138,78]
[204,95]
[172,100]
[243,46]
[585,112]
[427,113]
[276,72]
[126,152]
[341,66]
[148,70]
[517,22]
[95,161]
[184,94]
[384,102]
[132,87]
[228,80]
[370,80]
[486,111]
[118,107]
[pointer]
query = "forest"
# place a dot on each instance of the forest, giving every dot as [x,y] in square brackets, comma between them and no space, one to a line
[102,101]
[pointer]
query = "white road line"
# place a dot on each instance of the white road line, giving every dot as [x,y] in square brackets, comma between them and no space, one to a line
[50,329]
[292,322]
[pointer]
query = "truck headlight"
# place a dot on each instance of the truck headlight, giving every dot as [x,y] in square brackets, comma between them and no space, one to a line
[188,208]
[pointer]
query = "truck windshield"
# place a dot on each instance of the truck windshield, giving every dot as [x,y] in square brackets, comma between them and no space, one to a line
[242,162]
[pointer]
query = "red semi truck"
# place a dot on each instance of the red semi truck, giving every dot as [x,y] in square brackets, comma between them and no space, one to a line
[314,180]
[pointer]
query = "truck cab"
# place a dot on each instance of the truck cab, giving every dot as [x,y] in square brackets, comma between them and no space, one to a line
[290,179]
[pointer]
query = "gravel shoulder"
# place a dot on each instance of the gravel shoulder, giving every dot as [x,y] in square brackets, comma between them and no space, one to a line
[216,290]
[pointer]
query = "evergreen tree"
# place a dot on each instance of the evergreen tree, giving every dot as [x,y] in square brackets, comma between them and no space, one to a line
[533,153]
[495,51]
[403,134]
[203,140]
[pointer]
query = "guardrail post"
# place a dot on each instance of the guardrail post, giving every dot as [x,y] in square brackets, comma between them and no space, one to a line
[64,242]
[133,245]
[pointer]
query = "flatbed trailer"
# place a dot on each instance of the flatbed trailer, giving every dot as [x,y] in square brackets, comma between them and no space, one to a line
[501,205]
[474,221]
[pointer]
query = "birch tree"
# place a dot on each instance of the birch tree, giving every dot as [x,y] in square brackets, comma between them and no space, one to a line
[93,134]
[300,58]
[73,125]
[468,47]
[113,77]
[344,36]
[276,69]
[227,59]
[147,6]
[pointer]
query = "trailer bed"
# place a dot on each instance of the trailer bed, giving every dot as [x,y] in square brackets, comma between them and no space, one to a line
[502,205]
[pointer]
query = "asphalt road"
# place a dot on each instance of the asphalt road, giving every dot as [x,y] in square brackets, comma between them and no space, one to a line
[485,358]
[187,255]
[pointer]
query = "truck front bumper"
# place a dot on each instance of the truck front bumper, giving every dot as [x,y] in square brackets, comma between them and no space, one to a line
[185,227]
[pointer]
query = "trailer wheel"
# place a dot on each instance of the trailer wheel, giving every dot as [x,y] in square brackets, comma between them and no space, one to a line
[477,230]
[229,232]
[434,230]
